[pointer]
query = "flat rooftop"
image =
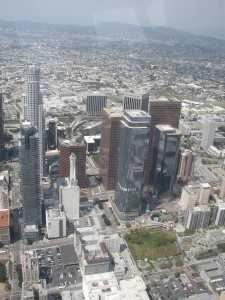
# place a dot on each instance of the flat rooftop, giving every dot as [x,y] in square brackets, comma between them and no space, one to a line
[69,256]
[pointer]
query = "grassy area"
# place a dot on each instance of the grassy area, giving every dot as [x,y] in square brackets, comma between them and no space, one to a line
[96,157]
[166,265]
[9,121]
[114,98]
[205,255]
[152,245]
[66,119]
[221,247]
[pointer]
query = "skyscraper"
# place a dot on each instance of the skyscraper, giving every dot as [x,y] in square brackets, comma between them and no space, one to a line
[165,158]
[66,149]
[32,109]
[30,180]
[95,104]
[208,133]
[162,111]
[186,165]
[52,135]
[134,130]
[109,146]
[2,145]
[135,101]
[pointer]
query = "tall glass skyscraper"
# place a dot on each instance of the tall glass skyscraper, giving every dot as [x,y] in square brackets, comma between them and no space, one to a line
[133,144]
[165,158]
[32,109]
[30,180]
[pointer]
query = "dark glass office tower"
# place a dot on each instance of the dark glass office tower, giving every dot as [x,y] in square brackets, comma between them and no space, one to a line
[52,135]
[162,111]
[165,158]
[133,144]
[2,145]
[30,180]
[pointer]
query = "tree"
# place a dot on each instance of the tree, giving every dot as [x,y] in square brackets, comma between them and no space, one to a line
[128,225]
[2,272]
[29,241]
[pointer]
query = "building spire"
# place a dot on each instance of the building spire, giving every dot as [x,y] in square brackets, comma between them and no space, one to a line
[73,179]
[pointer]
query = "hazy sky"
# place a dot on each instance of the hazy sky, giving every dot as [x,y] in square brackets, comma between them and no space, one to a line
[183,14]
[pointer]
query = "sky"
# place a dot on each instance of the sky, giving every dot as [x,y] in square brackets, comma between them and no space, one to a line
[180,14]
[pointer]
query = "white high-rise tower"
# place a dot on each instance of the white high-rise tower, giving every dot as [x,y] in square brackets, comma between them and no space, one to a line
[32,109]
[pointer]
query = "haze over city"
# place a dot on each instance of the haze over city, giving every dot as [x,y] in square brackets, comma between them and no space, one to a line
[112,150]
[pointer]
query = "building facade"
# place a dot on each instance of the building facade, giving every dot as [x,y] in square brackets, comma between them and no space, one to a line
[134,131]
[220,215]
[197,217]
[95,104]
[66,148]
[186,165]
[109,147]
[2,144]
[134,101]
[30,180]
[162,111]
[208,133]
[55,223]
[52,135]
[32,110]
[165,158]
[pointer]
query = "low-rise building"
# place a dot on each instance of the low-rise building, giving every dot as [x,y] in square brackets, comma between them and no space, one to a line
[55,223]
[211,272]
[5,226]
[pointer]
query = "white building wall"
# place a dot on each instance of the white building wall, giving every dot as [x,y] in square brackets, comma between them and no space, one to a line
[205,190]
[70,199]
[188,198]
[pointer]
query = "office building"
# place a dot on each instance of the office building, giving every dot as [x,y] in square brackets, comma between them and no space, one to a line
[204,193]
[30,180]
[186,165]
[190,196]
[95,104]
[52,135]
[165,158]
[198,217]
[32,110]
[2,144]
[132,101]
[220,215]
[162,111]
[69,191]
[66,148]
[134,131]
[208,133]
[109,147]
[55,223]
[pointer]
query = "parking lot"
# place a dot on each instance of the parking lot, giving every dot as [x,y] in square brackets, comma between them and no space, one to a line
[51,268]
[173,288]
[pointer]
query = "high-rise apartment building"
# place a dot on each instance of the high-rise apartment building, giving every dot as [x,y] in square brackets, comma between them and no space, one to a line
[30,180]
[109,146]
[208,133]
[66,149]
[32,109]
[197,217]
[165,158]
[204,193]
[133,144]
[2,145]
[186,165]
[95,104]
[220,215]
[136,101]
[190,196]
[162,111]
